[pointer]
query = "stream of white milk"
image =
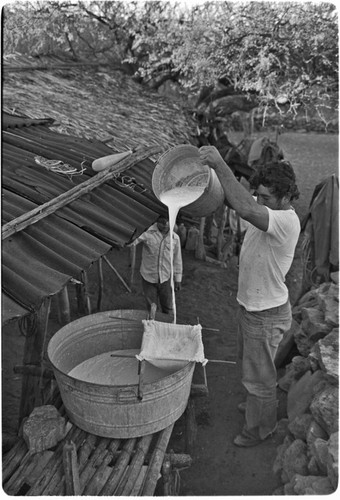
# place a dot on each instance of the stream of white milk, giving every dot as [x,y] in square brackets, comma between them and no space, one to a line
[109,369]
[175,199]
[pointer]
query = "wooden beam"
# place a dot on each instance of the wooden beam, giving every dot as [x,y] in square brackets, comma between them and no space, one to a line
[117,273]
[33,370]
[68,197]
[71,470]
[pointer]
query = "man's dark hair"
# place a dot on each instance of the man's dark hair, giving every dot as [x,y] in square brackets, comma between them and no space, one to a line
[279,177]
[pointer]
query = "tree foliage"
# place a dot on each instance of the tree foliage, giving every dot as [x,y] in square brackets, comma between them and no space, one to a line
[282,52]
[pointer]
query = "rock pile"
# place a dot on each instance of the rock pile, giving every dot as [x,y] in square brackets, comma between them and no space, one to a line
[307,460]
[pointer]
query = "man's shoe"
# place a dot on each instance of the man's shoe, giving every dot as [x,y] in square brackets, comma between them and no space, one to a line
[246,441]
[242,407]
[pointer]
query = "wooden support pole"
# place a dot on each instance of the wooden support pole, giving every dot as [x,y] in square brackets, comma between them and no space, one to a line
[68,197]
[220,234]
[80,298]
[64,310]
[101,284]
[71,471]
[198,390]
[33,350]
[117,273]
[190,427]
[132,263]
[200,250]
[88,309]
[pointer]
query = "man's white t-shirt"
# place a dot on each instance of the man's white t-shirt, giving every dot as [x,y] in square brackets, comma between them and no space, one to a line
[265,259]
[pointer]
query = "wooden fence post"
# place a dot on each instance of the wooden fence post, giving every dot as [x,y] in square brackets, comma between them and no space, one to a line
[33,353]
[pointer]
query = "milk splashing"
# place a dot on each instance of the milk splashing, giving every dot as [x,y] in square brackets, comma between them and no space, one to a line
[175,199]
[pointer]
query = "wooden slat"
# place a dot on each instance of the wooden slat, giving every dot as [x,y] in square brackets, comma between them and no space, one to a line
[12,459]
[64,199]
[99,474]
[71,470]
[57,478]
[52,466]
[140,480]
[31,467]
[99,478]
[154,468]
[87,446]
[92,463]
[126,486]
[44,473]
[103,471]
[118,469]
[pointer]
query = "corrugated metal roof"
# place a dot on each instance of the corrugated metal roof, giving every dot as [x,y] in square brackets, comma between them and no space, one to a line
[39,260]
[10,309]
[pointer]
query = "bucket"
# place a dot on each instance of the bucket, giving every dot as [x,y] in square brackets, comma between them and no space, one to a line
[115,410]
[181,166]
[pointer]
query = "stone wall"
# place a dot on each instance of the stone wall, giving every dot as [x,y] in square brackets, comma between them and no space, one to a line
[307,460]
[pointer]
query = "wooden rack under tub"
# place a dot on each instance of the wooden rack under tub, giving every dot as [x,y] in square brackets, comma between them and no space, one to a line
[85,464]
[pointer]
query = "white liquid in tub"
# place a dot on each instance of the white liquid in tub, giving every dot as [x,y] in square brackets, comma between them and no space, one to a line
[105,369]
[175,199]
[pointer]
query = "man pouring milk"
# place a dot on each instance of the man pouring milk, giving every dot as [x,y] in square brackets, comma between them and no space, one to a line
[266,255]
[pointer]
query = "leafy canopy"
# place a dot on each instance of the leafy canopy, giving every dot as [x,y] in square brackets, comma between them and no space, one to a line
[280,51]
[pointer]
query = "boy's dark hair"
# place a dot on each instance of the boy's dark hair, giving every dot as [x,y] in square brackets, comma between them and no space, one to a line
[163,218]
[279,177]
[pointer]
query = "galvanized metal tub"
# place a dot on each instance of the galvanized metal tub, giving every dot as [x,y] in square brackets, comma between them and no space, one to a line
[107,410]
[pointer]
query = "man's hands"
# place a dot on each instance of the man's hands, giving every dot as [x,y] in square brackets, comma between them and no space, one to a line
[210,156]
[178,286]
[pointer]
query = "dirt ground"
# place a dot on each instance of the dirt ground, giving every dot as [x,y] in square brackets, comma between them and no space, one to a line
[208,295]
